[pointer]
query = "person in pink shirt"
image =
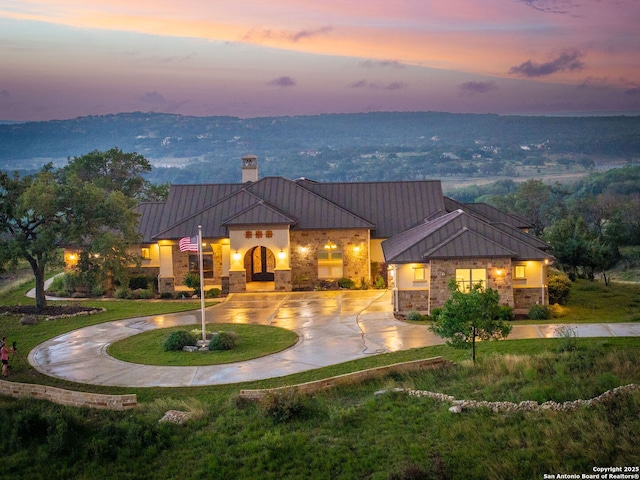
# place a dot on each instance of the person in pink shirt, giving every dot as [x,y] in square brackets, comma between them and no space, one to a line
[4,356]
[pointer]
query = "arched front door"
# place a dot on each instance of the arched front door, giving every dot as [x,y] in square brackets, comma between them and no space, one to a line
[263,264]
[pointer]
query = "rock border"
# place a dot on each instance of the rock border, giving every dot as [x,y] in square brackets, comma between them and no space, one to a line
[524,406]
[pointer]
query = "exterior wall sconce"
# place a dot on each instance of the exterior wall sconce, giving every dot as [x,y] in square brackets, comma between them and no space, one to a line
[356,249]
[330,245]
[237,256]
[304,249]
[72,256]
[282,254]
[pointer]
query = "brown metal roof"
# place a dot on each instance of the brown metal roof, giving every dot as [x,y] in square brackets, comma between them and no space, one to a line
[311,210]
[150,217]
[488,213]
[260,214]
[457,235]
[392,207]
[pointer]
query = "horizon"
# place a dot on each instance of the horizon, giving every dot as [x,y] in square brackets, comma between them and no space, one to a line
[64,59]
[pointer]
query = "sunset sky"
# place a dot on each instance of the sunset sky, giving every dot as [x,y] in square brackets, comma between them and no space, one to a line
[67,58]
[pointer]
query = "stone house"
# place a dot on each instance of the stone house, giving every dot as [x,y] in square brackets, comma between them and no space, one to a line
[281,235]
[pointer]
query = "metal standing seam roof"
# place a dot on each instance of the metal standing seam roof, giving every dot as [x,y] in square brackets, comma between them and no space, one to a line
[211,217]
[311,210]
[392,207]
[151,214]
[457,235]
[260,214]
[488,213]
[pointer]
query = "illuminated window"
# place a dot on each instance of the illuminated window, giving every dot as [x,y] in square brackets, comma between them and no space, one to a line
[145,253]
[519,271]
[468,277]
[419,274]
[248,234]
[330,262]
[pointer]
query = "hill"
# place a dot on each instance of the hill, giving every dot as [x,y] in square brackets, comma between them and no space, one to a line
[345,147]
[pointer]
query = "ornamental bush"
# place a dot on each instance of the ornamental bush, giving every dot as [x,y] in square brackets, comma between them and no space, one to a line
[559,288]
[178,340]
[213,293]
[223,341]
[415,316]
[345,282]
[539,312]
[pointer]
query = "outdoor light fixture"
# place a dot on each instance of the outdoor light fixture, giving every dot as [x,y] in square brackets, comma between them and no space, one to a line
[237,256]
[330,245]
[282,254]
[72,256]
[499,272]
[356,249]
[303,249]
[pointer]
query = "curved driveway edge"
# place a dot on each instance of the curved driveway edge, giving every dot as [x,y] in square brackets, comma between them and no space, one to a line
[333,327]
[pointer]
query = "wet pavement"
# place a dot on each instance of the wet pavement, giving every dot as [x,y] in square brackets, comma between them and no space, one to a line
[333,327]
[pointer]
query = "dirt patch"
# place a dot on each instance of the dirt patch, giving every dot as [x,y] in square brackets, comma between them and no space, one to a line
[49,311]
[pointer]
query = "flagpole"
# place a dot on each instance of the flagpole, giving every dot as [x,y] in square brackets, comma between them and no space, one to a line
[204,332]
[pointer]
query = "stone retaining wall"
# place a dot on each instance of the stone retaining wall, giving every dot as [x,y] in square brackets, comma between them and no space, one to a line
[526,406]
[68,397]
[348,378]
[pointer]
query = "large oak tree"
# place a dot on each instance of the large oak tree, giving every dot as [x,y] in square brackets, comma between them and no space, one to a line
[77,206]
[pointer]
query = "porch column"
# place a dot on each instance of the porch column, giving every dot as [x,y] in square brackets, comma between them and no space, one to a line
[166,279]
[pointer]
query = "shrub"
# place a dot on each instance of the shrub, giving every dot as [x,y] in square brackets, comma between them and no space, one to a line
[284,405]
[539,312]
[345,282]
[223,341]
[415,316]
[140,282]
[435,313]
[363,284]
[380,284]
[559,288]
[166,295]
[177,340]
[192,280]
[505,312]
[557,311]
[122,292]
[213,293]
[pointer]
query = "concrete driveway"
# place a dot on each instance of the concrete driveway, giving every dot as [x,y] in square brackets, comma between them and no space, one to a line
[333,327]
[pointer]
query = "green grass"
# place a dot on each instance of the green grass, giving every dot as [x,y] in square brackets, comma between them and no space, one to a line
[253,341]
[349,432]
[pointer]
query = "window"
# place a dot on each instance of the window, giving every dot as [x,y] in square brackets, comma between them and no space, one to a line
[145,253]
[419,274]
[467,277]
[518,271]
[258,233]
[207,264]
[330,263]
[248,234]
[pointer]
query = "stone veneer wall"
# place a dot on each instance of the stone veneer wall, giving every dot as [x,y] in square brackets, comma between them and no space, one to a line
[524,298]
[282,280]
[444,270]
[68,397]
[304,266]
[413,300]
[237,281]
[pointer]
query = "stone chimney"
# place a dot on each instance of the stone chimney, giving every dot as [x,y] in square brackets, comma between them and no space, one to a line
[249,168]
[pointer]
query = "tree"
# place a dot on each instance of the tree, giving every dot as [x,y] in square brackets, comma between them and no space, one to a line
[467,316]
[41,213]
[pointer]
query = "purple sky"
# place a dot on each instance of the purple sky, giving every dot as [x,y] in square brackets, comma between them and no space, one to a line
[71,58]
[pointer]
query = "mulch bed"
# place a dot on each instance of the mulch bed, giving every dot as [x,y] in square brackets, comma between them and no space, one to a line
[49,311]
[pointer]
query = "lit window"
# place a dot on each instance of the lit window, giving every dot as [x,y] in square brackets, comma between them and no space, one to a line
[519,271]
[207,264]
[468,277]
[419,274]
[145,253]
[330,262]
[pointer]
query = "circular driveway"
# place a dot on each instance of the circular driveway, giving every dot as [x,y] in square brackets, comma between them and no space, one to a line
[333,327]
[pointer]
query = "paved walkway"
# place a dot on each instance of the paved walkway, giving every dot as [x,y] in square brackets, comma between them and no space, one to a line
[333,327]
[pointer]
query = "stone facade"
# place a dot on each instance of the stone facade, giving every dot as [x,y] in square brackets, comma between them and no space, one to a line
[305,245]
[413,300]
[524,298]
[282,280]
[444,270]
[237,281]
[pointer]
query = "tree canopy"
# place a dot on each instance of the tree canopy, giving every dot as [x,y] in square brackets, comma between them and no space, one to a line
[466,316]
[70,207]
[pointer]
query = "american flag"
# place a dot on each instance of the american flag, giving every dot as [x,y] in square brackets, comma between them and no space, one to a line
[188,244]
